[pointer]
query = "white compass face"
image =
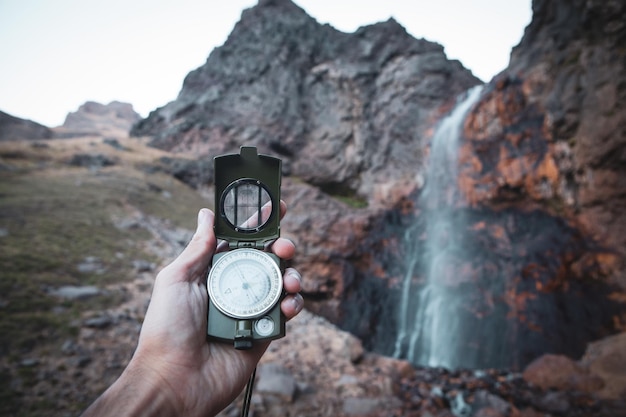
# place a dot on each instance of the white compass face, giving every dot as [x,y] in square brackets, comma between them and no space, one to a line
[245,283]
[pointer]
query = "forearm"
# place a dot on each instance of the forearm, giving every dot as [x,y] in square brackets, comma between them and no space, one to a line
[135,393]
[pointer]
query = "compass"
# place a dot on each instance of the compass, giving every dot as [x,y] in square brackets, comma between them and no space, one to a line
[245,284]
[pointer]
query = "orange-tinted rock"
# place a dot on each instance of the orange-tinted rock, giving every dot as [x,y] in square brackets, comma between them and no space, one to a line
[561,373]
[607,359]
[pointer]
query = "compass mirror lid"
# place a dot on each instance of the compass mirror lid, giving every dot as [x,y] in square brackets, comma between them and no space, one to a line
[247,195]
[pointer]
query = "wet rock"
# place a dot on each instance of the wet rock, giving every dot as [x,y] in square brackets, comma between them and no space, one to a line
[459,407]
[486,400]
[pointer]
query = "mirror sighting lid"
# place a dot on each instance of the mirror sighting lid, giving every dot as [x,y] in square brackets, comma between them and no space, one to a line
[247,198]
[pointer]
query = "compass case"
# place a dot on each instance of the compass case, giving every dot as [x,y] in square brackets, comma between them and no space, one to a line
[247,198]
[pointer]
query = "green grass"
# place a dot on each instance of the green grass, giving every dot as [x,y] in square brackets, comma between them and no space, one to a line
[351,201]
[53,217]
[53,221]
[344,194]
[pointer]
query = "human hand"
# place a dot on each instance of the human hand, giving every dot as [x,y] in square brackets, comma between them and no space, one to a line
[174,370]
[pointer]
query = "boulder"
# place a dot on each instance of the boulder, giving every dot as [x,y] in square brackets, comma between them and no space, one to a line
[561,373]
[606,359]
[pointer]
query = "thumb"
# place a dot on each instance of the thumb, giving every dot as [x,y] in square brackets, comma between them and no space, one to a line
[194,260]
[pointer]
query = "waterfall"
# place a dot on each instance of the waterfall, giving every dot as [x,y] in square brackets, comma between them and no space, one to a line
[430,317]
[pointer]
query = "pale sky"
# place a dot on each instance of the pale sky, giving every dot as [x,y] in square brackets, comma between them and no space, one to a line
[57,54]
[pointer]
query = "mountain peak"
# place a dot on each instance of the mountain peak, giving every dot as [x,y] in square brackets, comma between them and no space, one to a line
[270,3]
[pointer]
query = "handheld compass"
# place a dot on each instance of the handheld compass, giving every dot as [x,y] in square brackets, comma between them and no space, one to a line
[245,284]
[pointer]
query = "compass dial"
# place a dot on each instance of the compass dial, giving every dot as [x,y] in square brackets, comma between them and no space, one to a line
[245,283]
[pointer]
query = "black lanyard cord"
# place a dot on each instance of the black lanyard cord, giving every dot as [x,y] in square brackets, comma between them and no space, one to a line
[248,395]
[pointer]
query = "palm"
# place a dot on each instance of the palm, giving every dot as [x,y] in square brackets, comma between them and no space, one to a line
[174,371]
[204,376]
[200,373]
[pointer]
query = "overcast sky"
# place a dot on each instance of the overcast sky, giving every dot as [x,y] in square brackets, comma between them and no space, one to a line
[58,54]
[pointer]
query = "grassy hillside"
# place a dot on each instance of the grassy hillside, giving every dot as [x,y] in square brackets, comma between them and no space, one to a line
[73,212]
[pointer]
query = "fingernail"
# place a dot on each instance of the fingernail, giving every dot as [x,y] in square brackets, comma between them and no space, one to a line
[203,216]
[295,274]
[298,303]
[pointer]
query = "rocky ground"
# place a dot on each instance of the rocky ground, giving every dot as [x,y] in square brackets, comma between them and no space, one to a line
[317,370]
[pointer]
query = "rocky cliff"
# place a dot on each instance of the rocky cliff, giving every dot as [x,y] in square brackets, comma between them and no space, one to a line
[337,107]
[544,151]
[352,115]
[349,114]
[551,129]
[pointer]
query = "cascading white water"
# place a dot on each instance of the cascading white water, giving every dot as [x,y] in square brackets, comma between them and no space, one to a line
[430,317]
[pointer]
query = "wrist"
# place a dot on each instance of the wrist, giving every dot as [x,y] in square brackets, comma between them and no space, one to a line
[139,391]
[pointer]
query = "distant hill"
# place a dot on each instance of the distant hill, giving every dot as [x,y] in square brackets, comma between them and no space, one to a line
[12,127]
[113,119]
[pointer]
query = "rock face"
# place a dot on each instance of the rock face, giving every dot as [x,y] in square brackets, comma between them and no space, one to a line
[349,114]
[542,159]
[12,128]
[541,180]
[337,107]
[540,183]
[551,129]
[113,119]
